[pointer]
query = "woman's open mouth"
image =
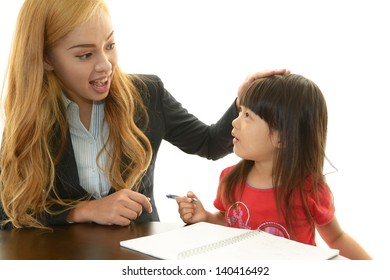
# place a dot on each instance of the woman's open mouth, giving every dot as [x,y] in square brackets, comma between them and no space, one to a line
[100,85]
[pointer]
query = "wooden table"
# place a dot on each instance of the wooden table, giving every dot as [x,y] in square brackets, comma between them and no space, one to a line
[77,242]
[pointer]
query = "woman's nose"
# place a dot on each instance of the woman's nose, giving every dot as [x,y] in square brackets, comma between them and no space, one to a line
[103,65]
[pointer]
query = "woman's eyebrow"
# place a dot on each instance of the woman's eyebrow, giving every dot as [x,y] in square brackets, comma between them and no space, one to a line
[89,45]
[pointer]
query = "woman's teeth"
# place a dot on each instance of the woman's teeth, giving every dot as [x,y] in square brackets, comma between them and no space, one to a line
[100,82]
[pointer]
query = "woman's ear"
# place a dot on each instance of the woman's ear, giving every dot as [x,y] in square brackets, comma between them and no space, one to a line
[47,65]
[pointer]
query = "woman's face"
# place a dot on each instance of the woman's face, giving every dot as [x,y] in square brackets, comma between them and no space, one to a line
[84,61]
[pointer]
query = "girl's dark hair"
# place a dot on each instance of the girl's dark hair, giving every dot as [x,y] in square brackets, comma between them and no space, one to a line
[295,107]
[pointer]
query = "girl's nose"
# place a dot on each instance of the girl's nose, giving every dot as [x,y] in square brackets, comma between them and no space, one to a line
[234,122]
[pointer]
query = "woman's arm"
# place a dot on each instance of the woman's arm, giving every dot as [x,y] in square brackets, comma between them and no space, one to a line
[119,208]
[186,131]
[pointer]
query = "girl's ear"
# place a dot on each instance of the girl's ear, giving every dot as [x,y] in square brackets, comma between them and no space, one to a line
[275,139]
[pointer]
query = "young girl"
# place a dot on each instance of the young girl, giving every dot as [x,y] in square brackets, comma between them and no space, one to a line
[278,186]
[81,137]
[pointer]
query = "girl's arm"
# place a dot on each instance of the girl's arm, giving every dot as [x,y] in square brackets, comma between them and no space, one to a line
[216,218]
[336,238]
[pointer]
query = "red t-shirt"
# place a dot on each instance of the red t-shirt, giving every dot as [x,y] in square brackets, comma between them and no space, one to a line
[256,209]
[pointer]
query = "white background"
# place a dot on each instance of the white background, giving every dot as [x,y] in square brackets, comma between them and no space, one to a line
[203,50]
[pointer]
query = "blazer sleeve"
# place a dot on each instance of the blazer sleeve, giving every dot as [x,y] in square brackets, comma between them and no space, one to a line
[183,129]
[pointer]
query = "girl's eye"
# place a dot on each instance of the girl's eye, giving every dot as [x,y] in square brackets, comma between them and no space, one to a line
[247,115]
[111,46]
[84,56]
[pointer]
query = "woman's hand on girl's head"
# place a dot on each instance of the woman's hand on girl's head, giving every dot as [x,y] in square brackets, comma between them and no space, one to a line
[119,208]
[257,75]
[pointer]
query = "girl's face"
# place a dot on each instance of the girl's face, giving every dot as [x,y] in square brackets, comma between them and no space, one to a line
[252,139]
[84,61]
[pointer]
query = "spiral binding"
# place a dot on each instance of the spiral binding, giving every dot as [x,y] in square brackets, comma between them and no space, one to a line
[216,245]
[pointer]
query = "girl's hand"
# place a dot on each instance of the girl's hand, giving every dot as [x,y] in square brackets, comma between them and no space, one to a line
[119,208]
[190,210]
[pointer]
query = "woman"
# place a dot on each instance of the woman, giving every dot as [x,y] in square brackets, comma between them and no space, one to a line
[81,137]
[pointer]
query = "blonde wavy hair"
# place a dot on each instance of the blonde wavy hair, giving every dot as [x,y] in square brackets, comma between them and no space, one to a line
[35,115]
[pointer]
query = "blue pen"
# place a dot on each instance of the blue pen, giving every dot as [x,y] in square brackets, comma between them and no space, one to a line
[174,196]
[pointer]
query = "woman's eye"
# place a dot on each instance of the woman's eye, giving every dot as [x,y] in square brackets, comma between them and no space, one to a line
[84,56]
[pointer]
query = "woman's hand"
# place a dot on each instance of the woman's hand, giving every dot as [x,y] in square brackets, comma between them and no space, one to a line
[119,208]
[252,77]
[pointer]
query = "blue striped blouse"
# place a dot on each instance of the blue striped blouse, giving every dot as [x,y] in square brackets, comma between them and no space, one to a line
[86,145]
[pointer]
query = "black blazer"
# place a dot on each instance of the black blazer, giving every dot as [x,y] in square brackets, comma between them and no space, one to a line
[168,120]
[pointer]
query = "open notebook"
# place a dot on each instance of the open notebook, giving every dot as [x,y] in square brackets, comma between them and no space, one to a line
[205,241]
